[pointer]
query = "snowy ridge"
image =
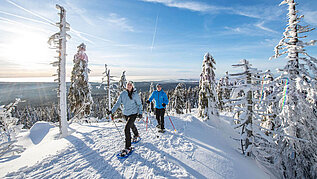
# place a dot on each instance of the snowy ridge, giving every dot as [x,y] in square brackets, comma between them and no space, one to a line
[196,150]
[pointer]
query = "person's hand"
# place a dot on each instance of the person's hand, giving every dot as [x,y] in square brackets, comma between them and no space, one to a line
[148,101]
[108,112]
[139,116]
[163,104]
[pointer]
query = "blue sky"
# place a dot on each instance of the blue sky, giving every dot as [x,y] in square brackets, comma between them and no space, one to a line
[150,39]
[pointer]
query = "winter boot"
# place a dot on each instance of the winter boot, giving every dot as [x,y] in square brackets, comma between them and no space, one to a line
[125,152]
[135,139]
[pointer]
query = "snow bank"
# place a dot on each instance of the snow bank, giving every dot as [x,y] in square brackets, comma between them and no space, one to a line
[39,130]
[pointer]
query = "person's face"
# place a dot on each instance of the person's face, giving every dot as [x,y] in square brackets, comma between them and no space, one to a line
[129,86]
[159,88]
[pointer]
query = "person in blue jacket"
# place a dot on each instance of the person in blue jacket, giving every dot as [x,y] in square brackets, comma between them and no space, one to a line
[161,101]
[132,108]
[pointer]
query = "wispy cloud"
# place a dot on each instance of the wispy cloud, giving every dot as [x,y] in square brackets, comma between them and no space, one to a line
[261,26]
[310,17]
[248,29]
[257,12]
[189,5]
[119,22]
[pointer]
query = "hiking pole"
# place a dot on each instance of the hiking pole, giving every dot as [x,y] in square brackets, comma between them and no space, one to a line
[147,115]
[170,120]
[116,126]
[147,118]
[151,127]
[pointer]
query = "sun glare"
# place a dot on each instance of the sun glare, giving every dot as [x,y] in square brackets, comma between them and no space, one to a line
[28,50]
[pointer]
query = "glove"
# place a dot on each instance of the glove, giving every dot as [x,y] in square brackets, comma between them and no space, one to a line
[163,104]
[139,116]
[148,101]
[108,112]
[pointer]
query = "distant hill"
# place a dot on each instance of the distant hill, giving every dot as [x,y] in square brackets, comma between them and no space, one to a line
[44,93]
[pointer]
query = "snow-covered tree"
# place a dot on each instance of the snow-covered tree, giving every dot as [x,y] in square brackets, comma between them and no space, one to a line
[79,96]
[122,82]
[296,156]
[152,102]
[250,114]
[189,99]
[121,87]
[178,98]
[223,91]
[207,88]
[8,131]
[58,41]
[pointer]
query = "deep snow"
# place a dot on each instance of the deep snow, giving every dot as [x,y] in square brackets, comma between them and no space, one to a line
[196,150]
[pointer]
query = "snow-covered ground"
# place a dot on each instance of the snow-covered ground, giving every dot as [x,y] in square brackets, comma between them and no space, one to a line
[196,150]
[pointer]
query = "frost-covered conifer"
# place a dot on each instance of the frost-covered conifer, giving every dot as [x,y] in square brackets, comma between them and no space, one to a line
[220,93]
[79,96]
[121,87]
[8,131]
[152,102]
[122,82]
[178,98]
[296,95]
[207,89]
[245,104]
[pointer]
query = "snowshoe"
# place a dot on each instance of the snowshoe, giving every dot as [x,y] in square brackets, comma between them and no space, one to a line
[158,126]
[161,130]
[135,140]
[125,153]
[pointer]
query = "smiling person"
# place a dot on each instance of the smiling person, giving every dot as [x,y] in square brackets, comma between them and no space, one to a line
[132,108]
[161,101]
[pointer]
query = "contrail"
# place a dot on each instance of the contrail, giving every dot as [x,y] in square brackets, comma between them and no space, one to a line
[35,14]
[76,32]
[154,35]
[80,36]
[21,24]
[25,18]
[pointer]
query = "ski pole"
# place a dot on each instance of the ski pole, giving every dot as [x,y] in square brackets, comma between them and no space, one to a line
[170,120]
[116,126]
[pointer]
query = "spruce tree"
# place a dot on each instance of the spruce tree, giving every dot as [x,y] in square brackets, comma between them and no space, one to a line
[121,87]
[296,155]
[178,98]
[207,85]
[249,115]
[79,96]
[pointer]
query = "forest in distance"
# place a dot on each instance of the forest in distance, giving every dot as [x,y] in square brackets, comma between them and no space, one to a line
[36,94]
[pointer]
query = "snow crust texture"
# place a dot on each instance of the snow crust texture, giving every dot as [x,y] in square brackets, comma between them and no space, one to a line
[196,150]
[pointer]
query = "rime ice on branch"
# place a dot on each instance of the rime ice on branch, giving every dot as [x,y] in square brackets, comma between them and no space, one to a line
[58,41]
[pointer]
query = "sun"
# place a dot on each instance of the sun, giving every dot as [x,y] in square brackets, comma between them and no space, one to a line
[29,49]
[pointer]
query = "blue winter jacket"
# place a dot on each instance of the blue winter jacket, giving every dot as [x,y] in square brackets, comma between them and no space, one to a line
[130,106]
[160,97]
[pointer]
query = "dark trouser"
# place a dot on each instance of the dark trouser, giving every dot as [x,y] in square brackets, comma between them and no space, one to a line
[160,117]
[130,125]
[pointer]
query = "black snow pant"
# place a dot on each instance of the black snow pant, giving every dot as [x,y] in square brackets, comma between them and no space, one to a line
[160,117]
[130,125]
